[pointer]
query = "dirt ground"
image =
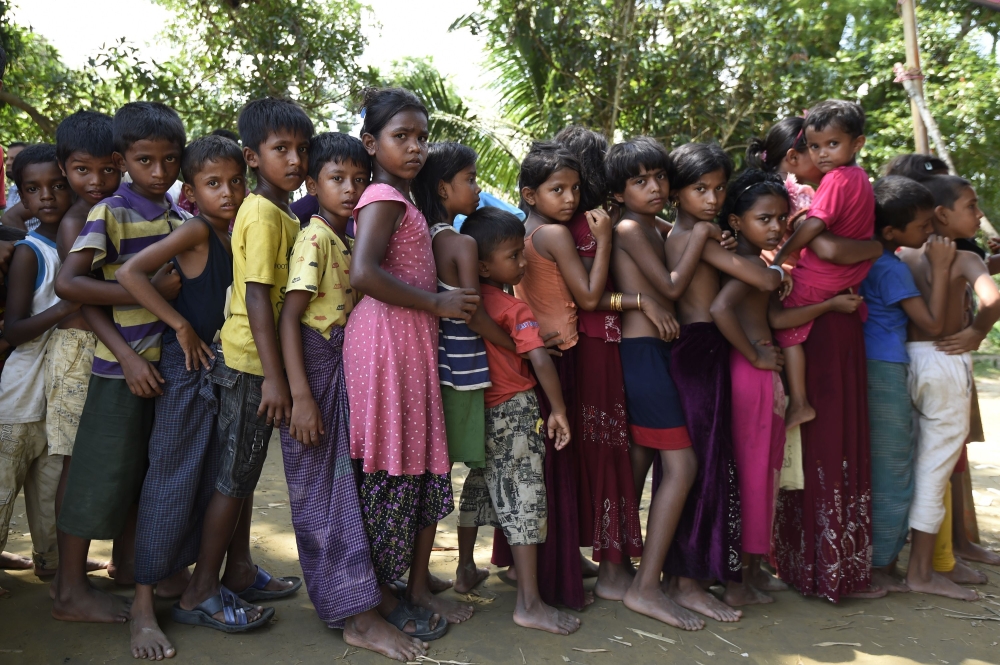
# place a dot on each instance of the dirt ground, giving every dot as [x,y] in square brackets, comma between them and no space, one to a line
[902,628]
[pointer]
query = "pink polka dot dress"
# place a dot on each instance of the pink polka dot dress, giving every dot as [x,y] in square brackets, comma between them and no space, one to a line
[390,360]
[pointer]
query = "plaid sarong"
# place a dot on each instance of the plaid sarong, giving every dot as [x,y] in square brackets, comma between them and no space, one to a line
[323,493]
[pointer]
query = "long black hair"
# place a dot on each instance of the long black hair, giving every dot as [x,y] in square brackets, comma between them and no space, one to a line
[544,159]
[444,162]
[381,104]
[787,134]
[589,147]
[746,188]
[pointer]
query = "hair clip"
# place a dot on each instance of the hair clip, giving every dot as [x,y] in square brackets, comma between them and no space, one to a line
[364,112]
[763,156]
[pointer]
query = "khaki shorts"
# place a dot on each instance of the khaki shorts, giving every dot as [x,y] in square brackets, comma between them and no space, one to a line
[25,464]
[69,357]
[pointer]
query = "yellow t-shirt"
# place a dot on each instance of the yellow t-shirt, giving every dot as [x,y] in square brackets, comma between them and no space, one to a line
[262,242]
[321,264]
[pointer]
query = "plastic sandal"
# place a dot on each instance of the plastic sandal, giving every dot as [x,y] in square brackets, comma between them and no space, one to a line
[233,612]
[256,591]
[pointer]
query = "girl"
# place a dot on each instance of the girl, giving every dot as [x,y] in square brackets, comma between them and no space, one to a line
[390,362]
[446,187]
[783,151]
[706,545]
[756,211]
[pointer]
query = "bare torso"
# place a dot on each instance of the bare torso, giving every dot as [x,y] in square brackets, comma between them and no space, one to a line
[955,318]
[630,278]
[694,306]
[69,230]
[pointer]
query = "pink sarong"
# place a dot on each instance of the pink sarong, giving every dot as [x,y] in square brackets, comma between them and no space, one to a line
[758,447]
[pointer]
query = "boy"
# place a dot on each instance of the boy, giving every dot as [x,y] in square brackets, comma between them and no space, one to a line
[940,380]
[32,310]
[637,178]
[183,449]
[515,446]
[85,150]
[110,451]
[275,135]
[903,218]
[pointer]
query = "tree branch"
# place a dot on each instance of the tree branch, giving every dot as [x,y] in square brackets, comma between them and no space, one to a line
[44,123]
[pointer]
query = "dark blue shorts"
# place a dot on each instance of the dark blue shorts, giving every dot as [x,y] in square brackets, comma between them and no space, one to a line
[655,416]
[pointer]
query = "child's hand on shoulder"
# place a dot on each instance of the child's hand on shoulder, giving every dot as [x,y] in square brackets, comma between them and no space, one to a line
[994,245]
[141,377]
[558,428]
[846,303]
[167,281]
[665,322]
[456,304]
[306,424]
[769,357]
[964,341]
[600,225]
[196,352]
[940,252]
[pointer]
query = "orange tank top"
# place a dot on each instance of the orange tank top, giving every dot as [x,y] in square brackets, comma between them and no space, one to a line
[546,293]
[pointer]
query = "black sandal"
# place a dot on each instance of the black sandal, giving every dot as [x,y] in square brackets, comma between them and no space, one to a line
[406,612]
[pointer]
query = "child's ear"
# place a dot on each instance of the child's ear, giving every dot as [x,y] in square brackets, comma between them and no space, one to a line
[859,143]
[189,192]
[371,146]
[62,169]
[251,157]
[119,160]
[941,214]
[311,186]
[734,223]
[484,269]
[528,194]
[887,233]
[792,156]
[619,198]
[442,190]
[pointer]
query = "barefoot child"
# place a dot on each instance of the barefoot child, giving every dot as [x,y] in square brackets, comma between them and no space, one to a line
[322,488]
[835,132]
[110,451]
[940,380]
[398,430]
[31,313]
[515,446]
[446,187]
[904,212]
[184,452]
[706,545]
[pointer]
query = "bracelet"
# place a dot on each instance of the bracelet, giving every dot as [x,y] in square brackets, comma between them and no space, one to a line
[781,271]
[638,301]
[616,301]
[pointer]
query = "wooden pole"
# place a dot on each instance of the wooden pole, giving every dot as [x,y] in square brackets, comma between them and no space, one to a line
[909,15]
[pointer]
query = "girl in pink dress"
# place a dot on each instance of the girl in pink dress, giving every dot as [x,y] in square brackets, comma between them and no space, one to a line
[390,359]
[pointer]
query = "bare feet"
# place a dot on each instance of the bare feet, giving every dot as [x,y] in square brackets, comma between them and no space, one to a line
[449,609]
[174,586]
[659,606]
[370,631]
[588,598]
[10,561]
[870,593]
[588,567]
[972,552]
[90,605]
[241,577]
[764,581]
[940,586]
[890,583]
[740,594]
[547,618]
[798,413]
[613,581]
[437,584]
[963,573]
[687,593]
[469,577]
[512,573]
[92,565]
[148,641]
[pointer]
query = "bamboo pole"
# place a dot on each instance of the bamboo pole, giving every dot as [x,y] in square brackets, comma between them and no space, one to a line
[908,11]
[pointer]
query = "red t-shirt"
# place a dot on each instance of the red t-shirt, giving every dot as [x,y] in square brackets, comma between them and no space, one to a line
[509,372]
[598,324]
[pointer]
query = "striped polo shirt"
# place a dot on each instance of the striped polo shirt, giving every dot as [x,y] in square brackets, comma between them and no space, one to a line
[118,228]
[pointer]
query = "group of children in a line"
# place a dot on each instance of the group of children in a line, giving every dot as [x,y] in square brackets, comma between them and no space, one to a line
[558,357]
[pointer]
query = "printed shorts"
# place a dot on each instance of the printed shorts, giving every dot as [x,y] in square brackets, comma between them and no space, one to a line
[244,434]
[69,356]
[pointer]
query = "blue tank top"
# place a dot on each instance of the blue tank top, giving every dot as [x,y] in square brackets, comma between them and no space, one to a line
[202,299]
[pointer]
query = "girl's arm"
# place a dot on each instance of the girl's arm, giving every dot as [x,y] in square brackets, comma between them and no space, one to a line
[376,223]
[548,378]
[75,283]
[19,325]
[670,284]
[780,318]
[133,276]
[586,288]
[930,317]
[753,273]
[804,234]
[306,423]
[466,256]
[141,377]
[723,310]
[844,251]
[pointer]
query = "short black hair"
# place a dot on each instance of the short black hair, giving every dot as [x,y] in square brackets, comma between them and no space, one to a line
[209,148]
[337,147]
[693,160]
[946,189]
[444,161]
[37,153]
[85,131]
[746,188]
[624,161]
[491,226]
[262,117]
[898,199]
[544,159]
[16,144]
[140,121]
[917,166]
[380,105]
[848,116]
[589,148]
[232,136]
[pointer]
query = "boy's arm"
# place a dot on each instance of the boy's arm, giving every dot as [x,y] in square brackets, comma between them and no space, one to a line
[275,398]
[804,234]
[15,216]
[844,251]
[780,318]
[548,378]
[742,268]
[74,282]
[930,317]
[19,325]
[133,276]
[723,310]
[669,284]
[467,261]
[141,376]
[975,272]
[306,423]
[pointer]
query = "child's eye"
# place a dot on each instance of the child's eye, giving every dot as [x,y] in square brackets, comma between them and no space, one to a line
[171,160]
[280,148]
[401,136]
[557,190]
[82,169]
[213,183]
[109,170]
[144,160]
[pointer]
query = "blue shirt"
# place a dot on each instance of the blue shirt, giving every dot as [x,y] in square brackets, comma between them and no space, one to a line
[889,282]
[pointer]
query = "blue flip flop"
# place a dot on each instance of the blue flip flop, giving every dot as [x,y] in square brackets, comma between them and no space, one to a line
[256,591]
[226,602]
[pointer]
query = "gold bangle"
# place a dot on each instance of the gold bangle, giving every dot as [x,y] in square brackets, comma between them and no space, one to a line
[616,302]
[638,301]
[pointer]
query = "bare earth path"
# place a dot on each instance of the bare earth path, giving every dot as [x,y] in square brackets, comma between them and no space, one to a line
[901,629]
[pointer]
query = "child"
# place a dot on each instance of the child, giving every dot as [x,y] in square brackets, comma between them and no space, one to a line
[784,151]
[85,150]
[110,451]
[183,449]
[706,545]
[637,178]
[903,218]
[31,312]
[515,446]
[326,513]
[390,363]
[940,379]
[253,391]
[835,133]
[446,187]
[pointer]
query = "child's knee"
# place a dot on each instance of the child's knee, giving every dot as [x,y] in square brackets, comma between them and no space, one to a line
[680,466]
